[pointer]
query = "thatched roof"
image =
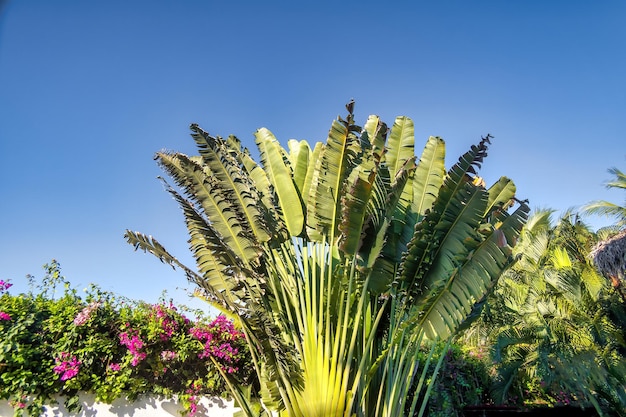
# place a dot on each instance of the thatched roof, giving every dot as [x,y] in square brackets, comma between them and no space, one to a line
[609,256]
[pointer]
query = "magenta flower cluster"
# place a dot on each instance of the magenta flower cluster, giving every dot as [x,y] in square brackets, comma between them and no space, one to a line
[115,367]
[134,344]
[168,324]
[193,393]
[4,286]
[67,366]
[218,338]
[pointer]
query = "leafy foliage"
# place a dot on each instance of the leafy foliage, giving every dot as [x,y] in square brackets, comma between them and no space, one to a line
[463,381]
[555,327]
[62,344]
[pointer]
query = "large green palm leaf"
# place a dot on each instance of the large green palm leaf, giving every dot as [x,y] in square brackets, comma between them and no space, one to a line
[607,208]
[430,174]
[425,246]
[220,162]
[300,155]
[336,161]
[218,204]
[280,176]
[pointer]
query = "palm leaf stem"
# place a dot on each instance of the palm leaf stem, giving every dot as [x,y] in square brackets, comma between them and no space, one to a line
[433,379]
[357,329]
[289,299]
[423,378]
[409,365]
[349,322]
[355,325]
[363,377]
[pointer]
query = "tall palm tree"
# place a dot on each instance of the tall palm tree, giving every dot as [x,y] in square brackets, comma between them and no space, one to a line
[606,208]
[340,260]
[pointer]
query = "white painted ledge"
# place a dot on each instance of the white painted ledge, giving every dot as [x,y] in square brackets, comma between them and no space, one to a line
[143,407]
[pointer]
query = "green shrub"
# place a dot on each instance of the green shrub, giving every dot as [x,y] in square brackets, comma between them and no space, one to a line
[110,346]
[461,381]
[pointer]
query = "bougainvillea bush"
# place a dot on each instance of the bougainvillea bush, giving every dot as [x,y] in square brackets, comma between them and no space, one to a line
[57,343]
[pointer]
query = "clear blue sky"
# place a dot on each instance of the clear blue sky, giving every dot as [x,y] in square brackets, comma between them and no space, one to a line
[90,90]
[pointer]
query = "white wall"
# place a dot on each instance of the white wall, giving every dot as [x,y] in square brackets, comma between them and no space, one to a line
[148,407]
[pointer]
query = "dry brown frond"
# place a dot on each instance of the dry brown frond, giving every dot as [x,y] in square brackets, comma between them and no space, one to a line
[609,256]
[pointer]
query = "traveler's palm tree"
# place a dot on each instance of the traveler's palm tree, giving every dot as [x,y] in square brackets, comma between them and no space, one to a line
[340,260]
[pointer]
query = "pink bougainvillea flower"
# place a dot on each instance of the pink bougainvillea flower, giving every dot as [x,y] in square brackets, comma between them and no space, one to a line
[134,344]
[18,403]
[164,315]
[168,355]
[67,366]
[4,285]
[193,407]
[4,316]
[218,339]
[85,314]
[138,357]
